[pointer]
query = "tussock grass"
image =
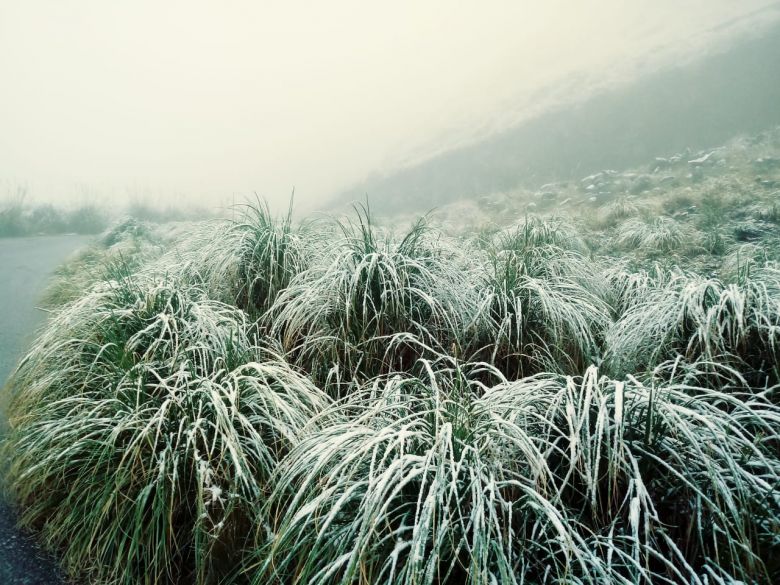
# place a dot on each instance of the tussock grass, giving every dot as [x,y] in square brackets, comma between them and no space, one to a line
[372,306]
[628,287]
[546,479]
[271,253]
[701,319]
[344,403]
[742,260]
[621,208]
[541,309]
[661,235]
[144,427]
[538,232]
[246,262]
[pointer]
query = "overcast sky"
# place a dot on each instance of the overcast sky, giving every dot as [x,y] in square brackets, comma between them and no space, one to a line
[207,100]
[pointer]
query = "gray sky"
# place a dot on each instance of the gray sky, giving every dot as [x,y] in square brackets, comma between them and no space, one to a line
[207,100]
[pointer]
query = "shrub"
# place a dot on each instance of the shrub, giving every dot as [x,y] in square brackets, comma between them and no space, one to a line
[87,219]
[12,219]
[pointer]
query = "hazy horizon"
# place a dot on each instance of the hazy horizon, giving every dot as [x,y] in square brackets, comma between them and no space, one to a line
[207,103]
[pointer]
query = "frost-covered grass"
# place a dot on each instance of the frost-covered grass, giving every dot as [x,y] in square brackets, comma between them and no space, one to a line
[337,402]
[120,250]
[144,453]
[376,303]
[543,480]
[691,208]
[246,262]
[701,319]
[661,235]
[541,304]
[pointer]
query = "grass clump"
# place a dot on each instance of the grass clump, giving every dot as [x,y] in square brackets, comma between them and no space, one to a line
[543,480]
[246,262]
[621,208]
[661,235]
[409,491]
[371,307]
[541,307]
[701,319]
[144,426]
[538,232]
[271,255]
[770,213]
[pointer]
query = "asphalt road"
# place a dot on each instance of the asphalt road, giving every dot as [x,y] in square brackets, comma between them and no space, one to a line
[25,266]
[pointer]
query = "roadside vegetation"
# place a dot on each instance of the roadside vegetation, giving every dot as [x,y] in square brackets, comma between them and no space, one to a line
[589,398]
[20,218]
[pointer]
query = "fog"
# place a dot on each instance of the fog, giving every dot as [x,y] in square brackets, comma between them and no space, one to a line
[207,102]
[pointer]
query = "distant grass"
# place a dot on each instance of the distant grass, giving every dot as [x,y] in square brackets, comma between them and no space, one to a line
[18,219]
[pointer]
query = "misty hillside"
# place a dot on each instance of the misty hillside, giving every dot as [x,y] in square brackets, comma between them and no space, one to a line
[696,106]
